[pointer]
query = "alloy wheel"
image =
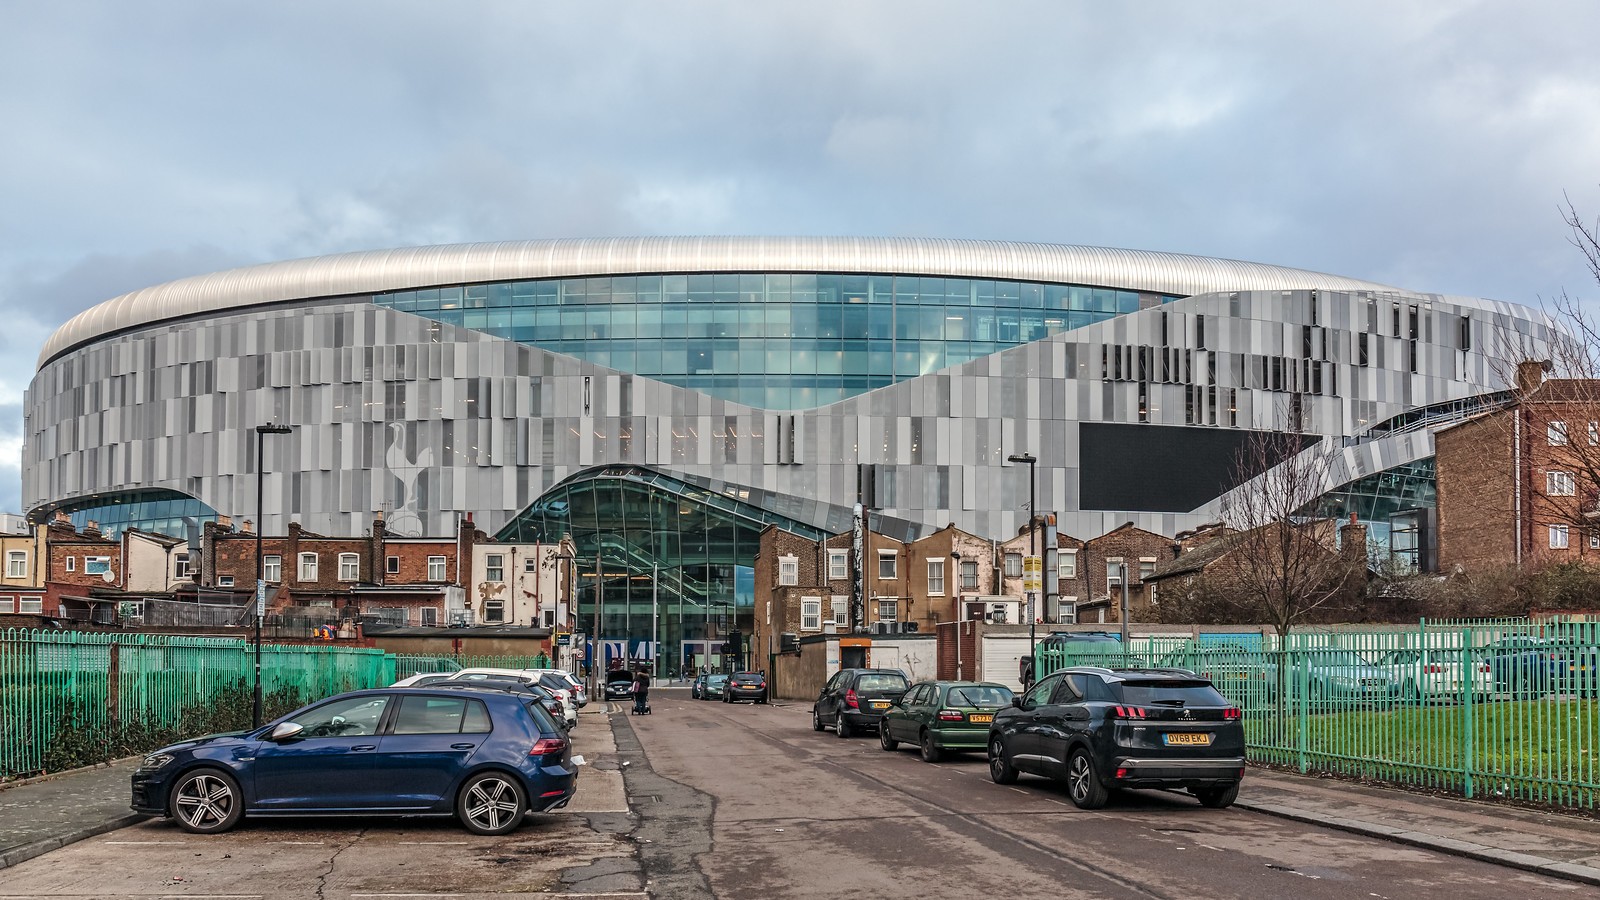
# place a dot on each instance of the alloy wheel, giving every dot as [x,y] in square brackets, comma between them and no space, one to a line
[491,804]
[1078,776]
[205,802]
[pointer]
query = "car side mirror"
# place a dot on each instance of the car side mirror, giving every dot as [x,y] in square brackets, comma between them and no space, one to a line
[284,731]
[1016,700]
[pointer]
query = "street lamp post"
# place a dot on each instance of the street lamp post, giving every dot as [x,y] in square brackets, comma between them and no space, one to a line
[1033,545]
[596,664]
[261,584]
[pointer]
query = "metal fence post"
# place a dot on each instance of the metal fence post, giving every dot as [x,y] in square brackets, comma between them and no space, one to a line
[1469,668]
[1302,698]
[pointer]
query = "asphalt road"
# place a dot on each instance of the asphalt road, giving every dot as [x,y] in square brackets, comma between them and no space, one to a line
[793,813]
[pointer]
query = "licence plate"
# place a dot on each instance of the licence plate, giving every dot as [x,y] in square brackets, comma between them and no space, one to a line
[880,704]
[1201,739]
[980,718]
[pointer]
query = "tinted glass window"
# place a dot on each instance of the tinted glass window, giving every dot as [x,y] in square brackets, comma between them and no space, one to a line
[982,696]
[437,715]
[542,717]
[1040,694]
[343,718]
[1171,693]
[1070,690]
[553,682]
[747,679]
[476,719]
[880,682]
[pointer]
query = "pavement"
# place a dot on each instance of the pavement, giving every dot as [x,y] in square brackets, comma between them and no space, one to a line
[43,814]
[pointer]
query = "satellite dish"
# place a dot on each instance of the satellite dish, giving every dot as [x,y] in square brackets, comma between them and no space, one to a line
[108,576]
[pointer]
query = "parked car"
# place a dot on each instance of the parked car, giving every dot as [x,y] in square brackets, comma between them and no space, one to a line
[619,685]
[750,686]
[1099,729]
[1098,648]
[1245,676]
[422,679]
[854,700]
[714,687]
[940,716]
[530,676]
[486,758]
[551,703]
[580,694]
[1338,676]
[1438,673]
[1529,666]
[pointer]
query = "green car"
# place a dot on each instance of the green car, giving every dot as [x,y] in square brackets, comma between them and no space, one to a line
[943,715]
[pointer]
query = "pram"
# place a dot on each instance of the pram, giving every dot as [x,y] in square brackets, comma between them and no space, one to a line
[641,702]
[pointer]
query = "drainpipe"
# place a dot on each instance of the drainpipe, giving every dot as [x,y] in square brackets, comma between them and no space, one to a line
[1516,474]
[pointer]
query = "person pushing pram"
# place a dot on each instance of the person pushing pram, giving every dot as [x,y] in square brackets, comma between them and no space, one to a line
[641,693]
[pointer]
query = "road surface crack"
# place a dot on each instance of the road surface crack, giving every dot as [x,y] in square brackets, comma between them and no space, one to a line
[322,879]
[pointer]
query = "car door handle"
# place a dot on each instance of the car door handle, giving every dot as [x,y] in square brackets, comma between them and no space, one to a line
[364,747]
[462,746]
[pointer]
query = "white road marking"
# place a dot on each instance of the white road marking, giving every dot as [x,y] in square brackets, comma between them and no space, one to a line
[302,843]
[144,842]
[434,843]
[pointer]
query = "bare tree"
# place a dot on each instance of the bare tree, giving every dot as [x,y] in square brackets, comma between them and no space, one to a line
[1281,566]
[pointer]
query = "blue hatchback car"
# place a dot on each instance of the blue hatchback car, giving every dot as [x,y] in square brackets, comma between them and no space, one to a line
[486,756]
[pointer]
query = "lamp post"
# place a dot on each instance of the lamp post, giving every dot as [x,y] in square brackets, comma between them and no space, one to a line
[570,619]
[598,662]
[261,584]
[1033,545]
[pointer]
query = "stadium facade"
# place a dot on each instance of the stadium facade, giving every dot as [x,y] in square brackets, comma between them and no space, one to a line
[663,399]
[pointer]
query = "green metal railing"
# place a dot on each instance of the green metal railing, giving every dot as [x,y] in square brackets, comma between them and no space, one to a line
[1504,710]
[71,698]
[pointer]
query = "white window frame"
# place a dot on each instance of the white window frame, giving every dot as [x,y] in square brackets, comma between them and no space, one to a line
[307,568]
[530,565]
[1556,433]
[1147,567]
[494,567]
[1067,564]
[1594,434]
[429,615]
[888,609]
[16,564]
[788,570]
[968,567]
[935,577]
[8,604]
[810,613]
[272,567]
[1594,542]
[893,558]
[391,565]
[841,609]
[225,581]
[494,611]
[349,567]
[180,565]
[72,564]
[1559,537]
[1560,484]
[838,565]
[1113,574]
[436,568]
[96,565]
[1013,564]
[31,605]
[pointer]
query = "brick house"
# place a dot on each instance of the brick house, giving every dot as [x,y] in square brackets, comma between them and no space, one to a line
[1100,570]
[1063,605]
[22,574]
[1215,552]
[77,565]
[1518,484]
[804,586]
[401,581]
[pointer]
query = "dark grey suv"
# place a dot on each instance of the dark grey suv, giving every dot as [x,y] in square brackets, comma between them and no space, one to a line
[854,700]
[1103,729]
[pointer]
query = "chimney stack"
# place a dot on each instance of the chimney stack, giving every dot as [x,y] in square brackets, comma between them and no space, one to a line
[1354,543]
[1530,374]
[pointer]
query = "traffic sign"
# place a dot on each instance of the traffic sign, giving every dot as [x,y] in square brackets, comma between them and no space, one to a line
[563,640]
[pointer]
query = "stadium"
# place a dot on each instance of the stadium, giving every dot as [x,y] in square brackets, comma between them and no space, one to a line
[664,399]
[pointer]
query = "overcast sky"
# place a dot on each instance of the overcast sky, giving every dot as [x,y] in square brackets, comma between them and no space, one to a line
[1426,145]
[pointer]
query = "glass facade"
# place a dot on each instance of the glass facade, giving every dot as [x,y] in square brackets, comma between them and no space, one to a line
[1382,501]
[166,512]
[656,554]
[772,341]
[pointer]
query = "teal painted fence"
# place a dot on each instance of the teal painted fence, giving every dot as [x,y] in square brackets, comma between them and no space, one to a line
[1506,710]
[70,698]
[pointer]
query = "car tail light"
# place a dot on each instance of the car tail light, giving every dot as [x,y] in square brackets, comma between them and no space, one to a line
[1122,773]
[952,715]
[1485,668]
[1433,669]
[547,746]
[850,699]
[1129,712]
[1231,713]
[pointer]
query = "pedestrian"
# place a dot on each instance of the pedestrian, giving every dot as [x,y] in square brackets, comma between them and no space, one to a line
[641,691]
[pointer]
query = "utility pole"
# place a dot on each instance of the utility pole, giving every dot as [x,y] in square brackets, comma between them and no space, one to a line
[1033,544]
[261,584]
[596,663]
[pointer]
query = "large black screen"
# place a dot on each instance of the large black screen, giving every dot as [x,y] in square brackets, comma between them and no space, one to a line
[1158,468]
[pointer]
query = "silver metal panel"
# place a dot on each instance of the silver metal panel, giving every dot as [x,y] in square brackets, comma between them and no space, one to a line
[372,271]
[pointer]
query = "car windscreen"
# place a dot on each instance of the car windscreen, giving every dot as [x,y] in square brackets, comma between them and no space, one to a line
[618,676]
[982,696]
[554,683]
[716,679]
[1168,692]
[875,681]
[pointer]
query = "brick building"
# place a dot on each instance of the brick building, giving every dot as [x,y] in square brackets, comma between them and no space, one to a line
[1518,484]
[1100,569]
[22,574]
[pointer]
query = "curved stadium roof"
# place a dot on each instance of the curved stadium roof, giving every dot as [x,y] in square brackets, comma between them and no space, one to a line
[374,271]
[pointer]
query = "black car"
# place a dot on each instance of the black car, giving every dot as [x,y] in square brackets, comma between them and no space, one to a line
[750,686]
[1099,729]
[856,699]
[1078,647]
[619,685]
